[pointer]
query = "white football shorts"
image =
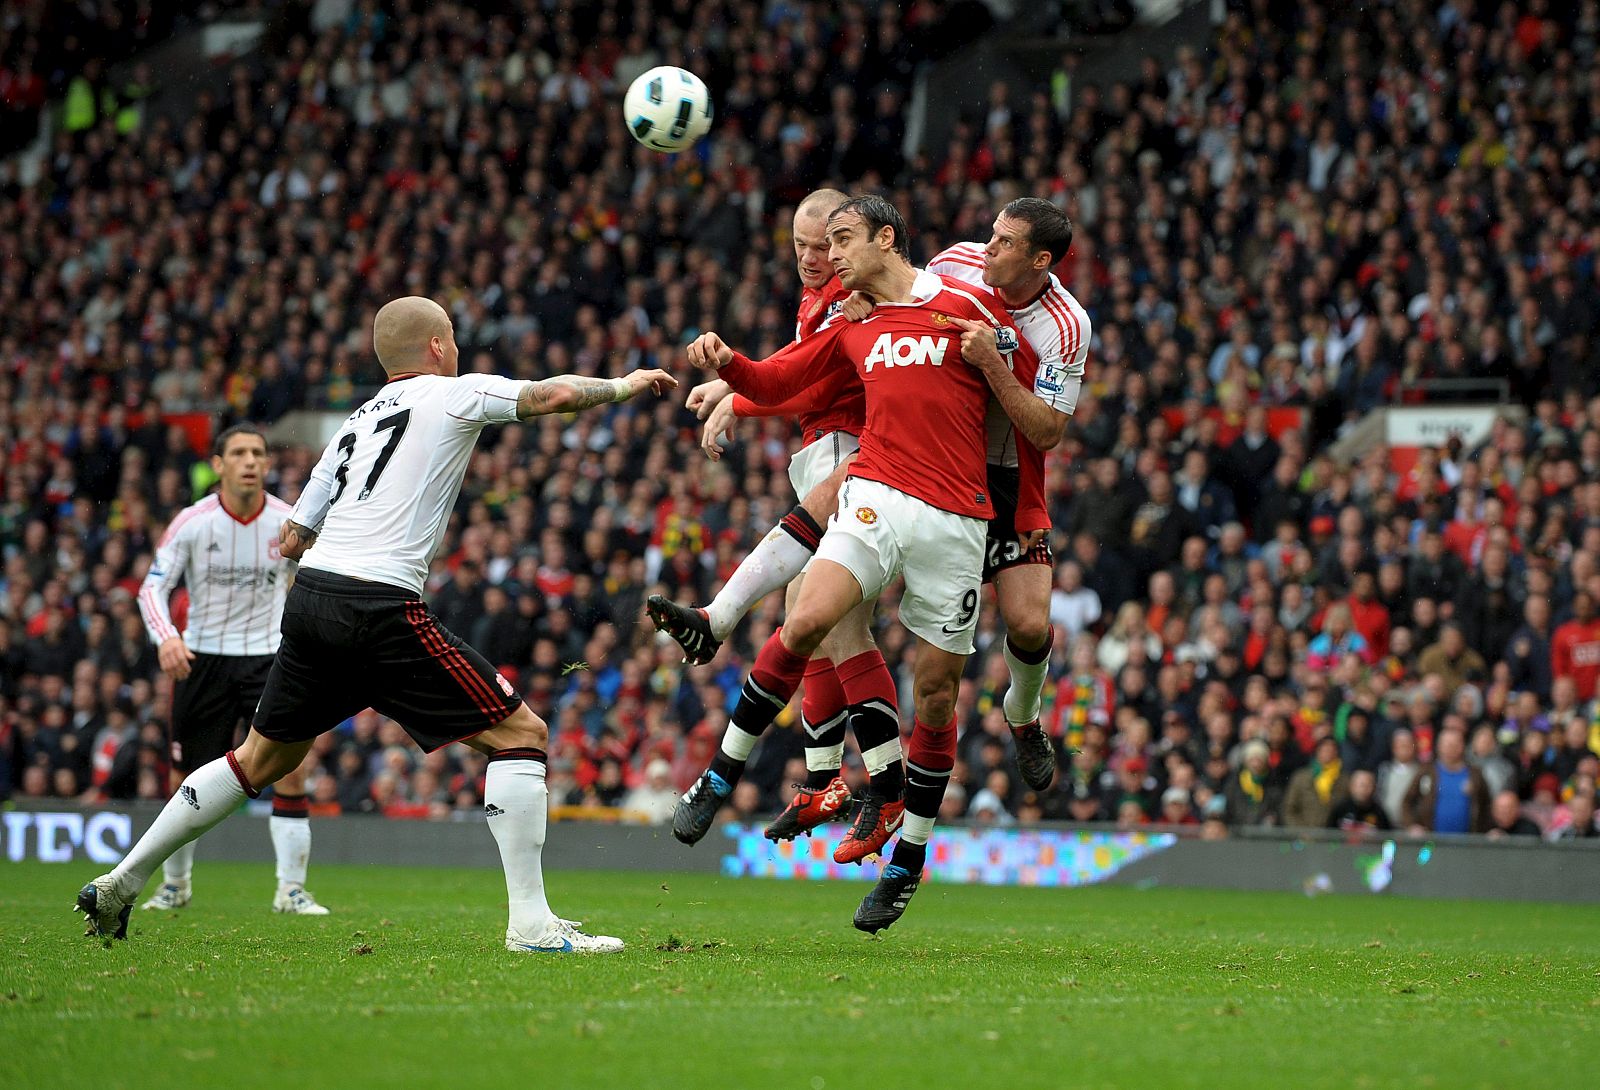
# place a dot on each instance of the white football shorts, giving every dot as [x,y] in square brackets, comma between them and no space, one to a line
[880,532]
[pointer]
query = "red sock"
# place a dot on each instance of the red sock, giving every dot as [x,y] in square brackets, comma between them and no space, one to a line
[823,696]
[822,716]
[866,677]
[869,689]
[933,748]
[778,670]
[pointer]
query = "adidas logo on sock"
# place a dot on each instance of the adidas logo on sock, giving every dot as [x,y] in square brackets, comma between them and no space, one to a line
[491,810]
[189,796]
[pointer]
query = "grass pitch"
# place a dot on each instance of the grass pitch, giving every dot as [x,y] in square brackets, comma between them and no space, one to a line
[753,984]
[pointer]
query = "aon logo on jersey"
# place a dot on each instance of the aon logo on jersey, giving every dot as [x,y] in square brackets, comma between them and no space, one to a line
[892,351]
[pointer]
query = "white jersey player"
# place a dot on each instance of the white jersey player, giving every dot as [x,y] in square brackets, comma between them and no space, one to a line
[225,550]
[1029,236]
[357,634]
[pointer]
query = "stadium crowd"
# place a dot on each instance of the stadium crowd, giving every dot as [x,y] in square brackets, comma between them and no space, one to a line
[1320,211]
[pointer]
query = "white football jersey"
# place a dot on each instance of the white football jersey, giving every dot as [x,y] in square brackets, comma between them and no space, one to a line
[1057,327]
[236,577]
[381,495]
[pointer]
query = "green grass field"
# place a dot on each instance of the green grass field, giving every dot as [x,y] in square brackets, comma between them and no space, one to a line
[755,984]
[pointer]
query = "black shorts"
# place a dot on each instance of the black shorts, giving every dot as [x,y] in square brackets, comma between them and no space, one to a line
[220,693]
[1002,548]
[349,644]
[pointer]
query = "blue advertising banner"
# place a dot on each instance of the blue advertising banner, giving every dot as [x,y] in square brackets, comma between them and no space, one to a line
[970,856]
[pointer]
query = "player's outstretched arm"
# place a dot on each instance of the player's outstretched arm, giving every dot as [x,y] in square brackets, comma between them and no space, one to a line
[574,393]
[777,378]
[1034,417]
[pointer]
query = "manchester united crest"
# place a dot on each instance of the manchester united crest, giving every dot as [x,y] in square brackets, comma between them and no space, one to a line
[866,516]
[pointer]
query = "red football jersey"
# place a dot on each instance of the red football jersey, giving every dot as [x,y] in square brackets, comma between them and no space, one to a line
[840,404]
[925,406]
[1575,653]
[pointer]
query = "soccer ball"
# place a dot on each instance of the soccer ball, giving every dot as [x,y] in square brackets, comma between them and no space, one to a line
[667,109]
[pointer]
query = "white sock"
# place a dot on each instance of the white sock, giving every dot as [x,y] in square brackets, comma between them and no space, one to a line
[516,800]
[916,829]
[1026,689]
[737,742]
[207,795]
[179,866]
[771,565]
[881,757]
[291,843]
[825,759]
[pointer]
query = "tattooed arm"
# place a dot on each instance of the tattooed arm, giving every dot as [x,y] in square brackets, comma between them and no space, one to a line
[574,393]
[294,539]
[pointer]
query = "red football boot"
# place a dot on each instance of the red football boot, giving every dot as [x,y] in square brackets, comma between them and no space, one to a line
[876,821]
[809,808]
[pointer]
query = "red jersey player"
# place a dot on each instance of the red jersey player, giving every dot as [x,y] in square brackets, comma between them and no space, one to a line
[848,669]
[915,501]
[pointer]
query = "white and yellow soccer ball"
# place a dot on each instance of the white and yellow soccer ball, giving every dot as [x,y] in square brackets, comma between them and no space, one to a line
[667,109]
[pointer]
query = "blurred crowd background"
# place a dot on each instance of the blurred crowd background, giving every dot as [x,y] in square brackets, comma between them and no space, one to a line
[1323,209]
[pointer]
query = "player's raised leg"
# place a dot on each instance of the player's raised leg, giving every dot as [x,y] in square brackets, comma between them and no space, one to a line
[830,591]
[774,563]
[207,796]
[1024,593]
[290,827]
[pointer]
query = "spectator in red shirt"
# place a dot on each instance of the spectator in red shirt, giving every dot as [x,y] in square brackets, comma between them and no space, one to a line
[1368,615]
[1575,648]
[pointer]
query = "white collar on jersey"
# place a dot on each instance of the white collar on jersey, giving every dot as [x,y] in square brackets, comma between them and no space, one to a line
[923,288]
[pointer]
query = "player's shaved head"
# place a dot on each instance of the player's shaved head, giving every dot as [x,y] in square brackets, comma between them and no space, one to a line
[811,236]
[820,204]
[404,330]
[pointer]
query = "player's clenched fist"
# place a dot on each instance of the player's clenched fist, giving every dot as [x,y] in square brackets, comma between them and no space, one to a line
[857,305]
[707,396]
[654,379]
[707,350]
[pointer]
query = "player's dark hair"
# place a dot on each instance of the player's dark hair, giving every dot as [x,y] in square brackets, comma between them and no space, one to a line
[220,443]
[877,214]
[1049,229]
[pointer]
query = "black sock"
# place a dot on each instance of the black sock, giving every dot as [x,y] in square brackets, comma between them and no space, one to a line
[753,714]
[828,745]
[909,856]
[799,525]
[290,806]
[818,778]
[726,767]
[875,724]
[925,790]
[888,785]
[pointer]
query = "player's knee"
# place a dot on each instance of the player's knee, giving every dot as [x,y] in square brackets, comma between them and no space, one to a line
[804,630]
[1030,631]
[936,706]
[936,699]
[522,730]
